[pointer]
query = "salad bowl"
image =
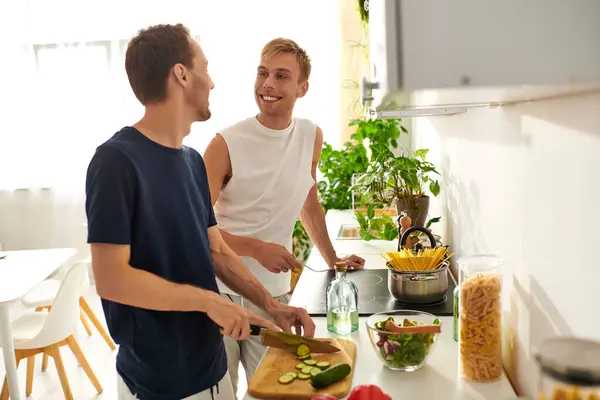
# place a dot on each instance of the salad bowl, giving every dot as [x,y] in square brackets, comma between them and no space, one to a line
[404,339]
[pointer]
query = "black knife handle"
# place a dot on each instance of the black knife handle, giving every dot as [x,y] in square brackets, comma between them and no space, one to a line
[255,330]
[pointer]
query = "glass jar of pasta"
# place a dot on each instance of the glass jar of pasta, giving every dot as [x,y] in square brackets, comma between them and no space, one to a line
[480,318]
[568,368]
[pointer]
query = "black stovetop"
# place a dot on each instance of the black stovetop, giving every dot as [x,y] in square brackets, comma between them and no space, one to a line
[373,294]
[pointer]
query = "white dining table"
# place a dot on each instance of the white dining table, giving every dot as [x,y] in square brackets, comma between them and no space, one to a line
[20,271]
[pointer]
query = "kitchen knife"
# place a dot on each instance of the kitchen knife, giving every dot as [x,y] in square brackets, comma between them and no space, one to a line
[288,341]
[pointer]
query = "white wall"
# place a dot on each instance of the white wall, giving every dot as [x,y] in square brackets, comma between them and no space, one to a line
[522,182]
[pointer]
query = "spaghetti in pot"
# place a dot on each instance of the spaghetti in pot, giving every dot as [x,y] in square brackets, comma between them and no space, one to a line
[480,327]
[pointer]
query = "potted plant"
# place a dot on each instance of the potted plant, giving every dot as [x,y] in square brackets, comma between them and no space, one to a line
[400,182]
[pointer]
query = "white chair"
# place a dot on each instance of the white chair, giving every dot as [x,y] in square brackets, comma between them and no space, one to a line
[43,294]
[46,333]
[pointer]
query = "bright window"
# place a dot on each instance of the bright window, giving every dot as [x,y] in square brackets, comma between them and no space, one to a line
[76,93]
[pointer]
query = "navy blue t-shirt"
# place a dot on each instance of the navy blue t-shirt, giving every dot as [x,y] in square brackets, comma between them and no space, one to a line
[157,200]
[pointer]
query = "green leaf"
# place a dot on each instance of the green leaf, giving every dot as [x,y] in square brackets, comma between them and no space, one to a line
[434,188]
[432,221]
[390,232]
[371,211]
[421,153]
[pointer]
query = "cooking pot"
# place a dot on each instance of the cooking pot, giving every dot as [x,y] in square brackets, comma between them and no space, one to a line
[418,287]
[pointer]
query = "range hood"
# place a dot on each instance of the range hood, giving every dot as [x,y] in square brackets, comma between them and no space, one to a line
[432,57]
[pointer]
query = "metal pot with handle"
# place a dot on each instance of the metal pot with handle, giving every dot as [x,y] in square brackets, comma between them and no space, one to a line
[418,287]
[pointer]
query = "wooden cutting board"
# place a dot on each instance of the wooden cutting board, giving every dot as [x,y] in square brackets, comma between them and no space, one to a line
[276,362]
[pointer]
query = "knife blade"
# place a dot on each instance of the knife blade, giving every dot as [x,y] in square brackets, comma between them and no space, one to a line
[288,341]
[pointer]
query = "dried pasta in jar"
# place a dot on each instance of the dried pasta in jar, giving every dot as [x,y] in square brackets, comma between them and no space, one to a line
[480,326]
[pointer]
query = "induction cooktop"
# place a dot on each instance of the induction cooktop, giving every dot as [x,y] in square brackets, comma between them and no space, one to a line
[373,293]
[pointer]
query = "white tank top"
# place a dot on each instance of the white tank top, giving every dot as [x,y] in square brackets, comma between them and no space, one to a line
[271,178]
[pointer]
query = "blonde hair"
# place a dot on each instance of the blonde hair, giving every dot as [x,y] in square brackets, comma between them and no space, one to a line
[282,45]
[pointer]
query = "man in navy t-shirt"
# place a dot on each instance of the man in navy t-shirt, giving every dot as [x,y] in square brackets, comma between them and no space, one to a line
[155,245]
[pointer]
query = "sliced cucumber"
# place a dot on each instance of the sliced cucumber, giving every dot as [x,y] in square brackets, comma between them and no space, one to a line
[285,379]
[330,376]
[306,357]
[304,376]
[292,374]
[310,362]
[302,350]
[315,371]
[323,364]
[300,366]
[307,369]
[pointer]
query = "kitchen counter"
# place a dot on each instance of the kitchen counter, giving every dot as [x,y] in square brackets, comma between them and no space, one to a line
[439,379]
[335,219]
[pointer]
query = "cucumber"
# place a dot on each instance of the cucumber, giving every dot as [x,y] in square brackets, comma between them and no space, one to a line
[285,379]
[292,374]
[304,376]
[302,350]
[310,362]
[307,369]
[315,371]
[306,357]
[323,364]
[330,376]
[300,366]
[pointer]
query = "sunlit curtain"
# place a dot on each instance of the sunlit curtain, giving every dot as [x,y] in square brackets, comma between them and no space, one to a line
[66,90]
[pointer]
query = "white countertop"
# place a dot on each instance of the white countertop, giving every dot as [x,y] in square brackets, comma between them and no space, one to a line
[439,379]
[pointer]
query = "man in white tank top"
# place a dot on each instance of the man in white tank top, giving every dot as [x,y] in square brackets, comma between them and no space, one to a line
[262,174]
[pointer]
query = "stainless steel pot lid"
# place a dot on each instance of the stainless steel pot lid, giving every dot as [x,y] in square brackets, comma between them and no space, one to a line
[570,360]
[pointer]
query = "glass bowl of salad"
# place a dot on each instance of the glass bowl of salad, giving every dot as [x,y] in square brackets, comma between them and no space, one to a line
[404,339]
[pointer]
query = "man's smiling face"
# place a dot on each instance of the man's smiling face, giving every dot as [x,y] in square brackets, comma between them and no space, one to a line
[279,83]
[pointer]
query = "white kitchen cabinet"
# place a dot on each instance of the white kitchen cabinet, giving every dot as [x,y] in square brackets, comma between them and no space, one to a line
[477,52]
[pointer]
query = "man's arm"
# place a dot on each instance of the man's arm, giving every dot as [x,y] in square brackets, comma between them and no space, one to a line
[118,281]
[312,216]
[273,257]
[218,169]
[232,271]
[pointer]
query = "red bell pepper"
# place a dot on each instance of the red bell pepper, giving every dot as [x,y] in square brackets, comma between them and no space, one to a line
[368,392]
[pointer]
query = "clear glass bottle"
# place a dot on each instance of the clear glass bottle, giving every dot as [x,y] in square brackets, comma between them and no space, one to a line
[568,368]
[342,303]
[455,311]
[480,318]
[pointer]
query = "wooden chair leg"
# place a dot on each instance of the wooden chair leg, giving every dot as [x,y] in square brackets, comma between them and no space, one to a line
[74,346]
[90,314]
[5,393]
[45,362]
[85,323]
[62,374]
[30,366]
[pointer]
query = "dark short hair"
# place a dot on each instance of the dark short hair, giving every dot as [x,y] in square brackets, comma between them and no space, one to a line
[150,56]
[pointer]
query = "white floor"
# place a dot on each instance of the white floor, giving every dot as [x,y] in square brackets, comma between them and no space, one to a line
[46,385]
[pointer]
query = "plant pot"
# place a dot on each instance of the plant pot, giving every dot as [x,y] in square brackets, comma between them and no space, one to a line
[417,209]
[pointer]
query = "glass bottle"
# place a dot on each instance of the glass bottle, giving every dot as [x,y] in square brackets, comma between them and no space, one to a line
[480,318]
[342,302]
[455,311]
[568,368]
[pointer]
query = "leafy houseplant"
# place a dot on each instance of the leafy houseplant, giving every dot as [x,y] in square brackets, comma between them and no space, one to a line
[339,166]
[398,181]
